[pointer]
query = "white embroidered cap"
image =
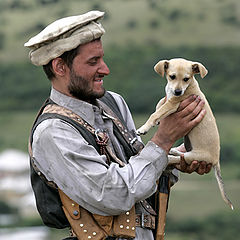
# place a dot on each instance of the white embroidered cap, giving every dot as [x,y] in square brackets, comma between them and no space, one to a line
[64,35]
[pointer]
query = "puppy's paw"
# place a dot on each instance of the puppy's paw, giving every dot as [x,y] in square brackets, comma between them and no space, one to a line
[142,130]
[175,152]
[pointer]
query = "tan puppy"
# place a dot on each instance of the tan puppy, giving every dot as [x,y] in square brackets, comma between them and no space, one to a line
[204,138]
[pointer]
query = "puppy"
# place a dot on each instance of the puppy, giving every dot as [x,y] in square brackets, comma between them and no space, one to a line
[203,141]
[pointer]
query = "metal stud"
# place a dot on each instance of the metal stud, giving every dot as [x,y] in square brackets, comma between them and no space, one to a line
[85,230]
[75,213]
[81,225]
[121,226]
[94,233]
[127,213]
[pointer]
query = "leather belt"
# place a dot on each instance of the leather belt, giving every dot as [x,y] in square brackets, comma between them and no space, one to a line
[145,221]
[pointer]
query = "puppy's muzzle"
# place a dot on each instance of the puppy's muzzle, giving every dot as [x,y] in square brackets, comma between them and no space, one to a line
[177,92]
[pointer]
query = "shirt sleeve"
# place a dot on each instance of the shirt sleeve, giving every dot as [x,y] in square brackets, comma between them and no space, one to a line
[64,157]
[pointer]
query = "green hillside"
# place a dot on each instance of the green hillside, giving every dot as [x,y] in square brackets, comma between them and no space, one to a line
[169,23]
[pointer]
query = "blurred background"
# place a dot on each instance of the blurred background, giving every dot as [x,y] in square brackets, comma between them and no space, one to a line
[138,34]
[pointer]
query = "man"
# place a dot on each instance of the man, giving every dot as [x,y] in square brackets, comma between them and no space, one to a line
[71,53]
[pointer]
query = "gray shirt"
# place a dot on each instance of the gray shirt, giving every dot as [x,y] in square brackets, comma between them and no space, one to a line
[64,157]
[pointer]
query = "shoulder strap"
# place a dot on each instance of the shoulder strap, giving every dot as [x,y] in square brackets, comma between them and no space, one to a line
[110,106]
[109,100]
[129,137]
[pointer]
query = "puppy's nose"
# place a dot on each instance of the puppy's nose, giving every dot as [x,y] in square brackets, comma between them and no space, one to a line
[178,92]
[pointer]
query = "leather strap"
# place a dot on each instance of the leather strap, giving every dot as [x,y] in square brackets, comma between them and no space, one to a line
[129,138]
[145,221]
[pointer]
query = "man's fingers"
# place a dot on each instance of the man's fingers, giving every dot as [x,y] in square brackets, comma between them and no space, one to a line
[192,109]
[208,168]
[202,168]
[183,164]
[198,118]
[193,166]
[186,102]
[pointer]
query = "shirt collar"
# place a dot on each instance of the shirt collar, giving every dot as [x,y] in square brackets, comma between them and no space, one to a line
[81,108]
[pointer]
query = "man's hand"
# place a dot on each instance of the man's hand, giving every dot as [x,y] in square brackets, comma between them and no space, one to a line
[195,166]
[180,123]
[198,167]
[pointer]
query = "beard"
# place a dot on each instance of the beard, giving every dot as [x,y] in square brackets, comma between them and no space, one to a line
[80,88]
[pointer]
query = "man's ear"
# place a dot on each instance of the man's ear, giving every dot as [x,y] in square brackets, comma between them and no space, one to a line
[59,67]
[199,68]
[161,67]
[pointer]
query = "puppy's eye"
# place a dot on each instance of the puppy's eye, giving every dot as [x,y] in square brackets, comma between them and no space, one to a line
[172,77]
[185,79]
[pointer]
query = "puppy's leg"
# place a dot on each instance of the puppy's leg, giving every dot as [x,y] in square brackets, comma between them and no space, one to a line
[162,112]
[197,155]
[175,152]
[173,159]
[161,102]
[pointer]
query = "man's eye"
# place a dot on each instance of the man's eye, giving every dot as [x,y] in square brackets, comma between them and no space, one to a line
[92,63]
[185,79]
[172,77]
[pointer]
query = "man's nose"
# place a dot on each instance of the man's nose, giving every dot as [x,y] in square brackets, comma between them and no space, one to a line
[104,69]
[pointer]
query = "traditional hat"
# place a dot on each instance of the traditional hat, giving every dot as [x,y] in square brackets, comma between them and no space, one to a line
[64,35]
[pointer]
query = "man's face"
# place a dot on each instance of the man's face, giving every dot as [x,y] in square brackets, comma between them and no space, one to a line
[87,72]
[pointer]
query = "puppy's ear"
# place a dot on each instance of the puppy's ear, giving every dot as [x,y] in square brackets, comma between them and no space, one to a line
[161,67]
[199,68]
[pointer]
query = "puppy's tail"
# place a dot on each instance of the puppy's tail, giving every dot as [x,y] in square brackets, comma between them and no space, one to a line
[221,185]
